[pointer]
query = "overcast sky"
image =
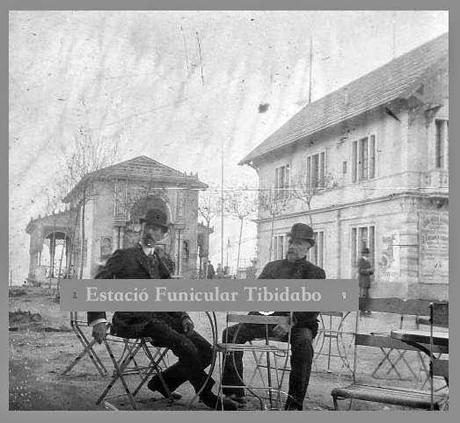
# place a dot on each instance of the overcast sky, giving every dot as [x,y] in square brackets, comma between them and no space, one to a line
[174,86]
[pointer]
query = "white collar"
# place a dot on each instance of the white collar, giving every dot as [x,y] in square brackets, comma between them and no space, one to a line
[148,251]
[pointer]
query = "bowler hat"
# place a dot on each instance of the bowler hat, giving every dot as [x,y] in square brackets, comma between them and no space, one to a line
[302,231]
[155,217]
[365,250]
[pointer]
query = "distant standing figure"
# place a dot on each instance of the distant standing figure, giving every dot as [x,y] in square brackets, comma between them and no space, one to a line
[219,271]
[365,270]
[211,271]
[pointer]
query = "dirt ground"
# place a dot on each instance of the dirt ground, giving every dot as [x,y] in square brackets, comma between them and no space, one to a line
[42,344]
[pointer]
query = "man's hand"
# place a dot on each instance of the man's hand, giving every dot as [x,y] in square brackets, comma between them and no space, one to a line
[281,330]
[187,325]
[99,331]
[160,252]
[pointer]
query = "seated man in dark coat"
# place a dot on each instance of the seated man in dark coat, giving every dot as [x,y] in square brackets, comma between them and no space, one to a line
[295,266]
[173,330]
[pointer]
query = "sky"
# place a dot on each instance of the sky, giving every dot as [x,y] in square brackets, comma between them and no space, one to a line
[178,86]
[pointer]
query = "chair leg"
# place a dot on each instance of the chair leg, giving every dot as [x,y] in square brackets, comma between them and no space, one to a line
[334,401]
[386,355]
[119,369]
[88,349]
[154,367]
[401,357]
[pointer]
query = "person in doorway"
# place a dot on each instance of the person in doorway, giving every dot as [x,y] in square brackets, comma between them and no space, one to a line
[365,272]
[173,330]
[294,266]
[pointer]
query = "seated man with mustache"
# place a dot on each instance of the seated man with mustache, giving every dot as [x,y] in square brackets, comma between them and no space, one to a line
[295,266]
[174,330]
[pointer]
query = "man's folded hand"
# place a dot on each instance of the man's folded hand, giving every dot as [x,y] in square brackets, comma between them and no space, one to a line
[187,325]
[280,330]
[100,331]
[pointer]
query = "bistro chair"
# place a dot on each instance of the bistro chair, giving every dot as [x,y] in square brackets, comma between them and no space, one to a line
[439,317]
[139,358]
[77,324]
[270,359]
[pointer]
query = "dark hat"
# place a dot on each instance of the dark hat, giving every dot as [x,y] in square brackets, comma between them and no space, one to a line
[155,217]
[365,250]
[302,231]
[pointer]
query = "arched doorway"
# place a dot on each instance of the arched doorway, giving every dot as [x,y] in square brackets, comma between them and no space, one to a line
[57,248]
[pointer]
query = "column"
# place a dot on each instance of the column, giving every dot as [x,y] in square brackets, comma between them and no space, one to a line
[52,254]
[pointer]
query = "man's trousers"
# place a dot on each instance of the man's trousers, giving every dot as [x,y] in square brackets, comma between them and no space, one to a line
[192,350]
[301,359]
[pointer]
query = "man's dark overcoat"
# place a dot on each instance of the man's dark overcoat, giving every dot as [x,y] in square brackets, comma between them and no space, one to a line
[300,269]
[132,263]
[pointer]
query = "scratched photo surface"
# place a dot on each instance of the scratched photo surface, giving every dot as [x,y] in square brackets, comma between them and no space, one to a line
[232,126]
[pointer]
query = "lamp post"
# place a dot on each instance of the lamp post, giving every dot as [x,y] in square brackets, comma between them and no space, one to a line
[179,227]
[222,205]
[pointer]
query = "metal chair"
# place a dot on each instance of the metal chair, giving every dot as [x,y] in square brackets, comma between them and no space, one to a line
[392,356]
[76,324]
[271,361]
[333,340]
[439,317]
[131,363]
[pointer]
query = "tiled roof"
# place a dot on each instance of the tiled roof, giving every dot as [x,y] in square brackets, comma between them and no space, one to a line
[58,220]
[394,80]
[143,168]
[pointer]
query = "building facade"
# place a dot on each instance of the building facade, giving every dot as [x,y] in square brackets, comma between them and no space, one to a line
[104,211]
[367,166]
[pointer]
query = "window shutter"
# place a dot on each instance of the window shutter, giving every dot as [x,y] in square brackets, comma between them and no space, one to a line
[287,181]
[322,173]
[372,157]
[354,159]
[372,244]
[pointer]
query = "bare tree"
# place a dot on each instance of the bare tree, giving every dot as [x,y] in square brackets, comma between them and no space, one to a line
[89,154]
[242,204]
[274,202]
[208,209]
[305,189]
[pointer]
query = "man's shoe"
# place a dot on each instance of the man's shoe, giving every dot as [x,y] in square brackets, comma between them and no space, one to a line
[213,401]
[293,406]
[155,385]
[240,400]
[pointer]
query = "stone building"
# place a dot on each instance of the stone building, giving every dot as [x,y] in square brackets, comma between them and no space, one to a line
[103,215]
[367,165]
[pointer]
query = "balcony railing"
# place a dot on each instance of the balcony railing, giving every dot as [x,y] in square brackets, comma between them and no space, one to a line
[435,180]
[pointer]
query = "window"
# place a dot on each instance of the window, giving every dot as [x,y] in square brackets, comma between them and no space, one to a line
[279,247]
[315,171]
[362,237]
[363,159]
[442,139]
[316,253]
[281,181]
[106,247]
